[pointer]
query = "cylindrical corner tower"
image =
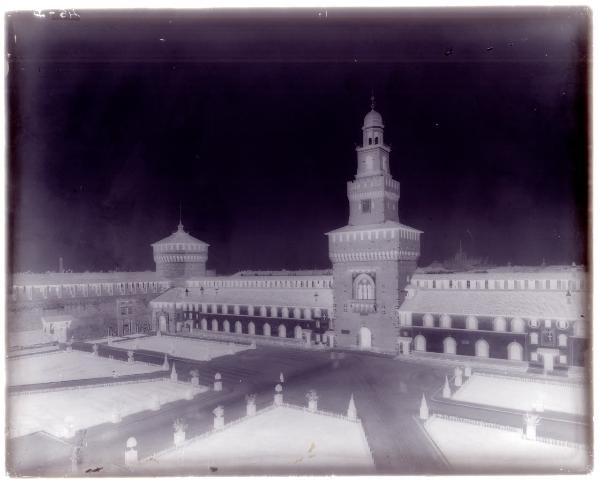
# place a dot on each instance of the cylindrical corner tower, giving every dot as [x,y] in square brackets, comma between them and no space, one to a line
[180,255]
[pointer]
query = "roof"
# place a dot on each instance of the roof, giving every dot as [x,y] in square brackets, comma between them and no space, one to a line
[508,303]
[33,279]
[302,297]
[282,273]
[180,237]
[502,272]
[373,119]
[371,227]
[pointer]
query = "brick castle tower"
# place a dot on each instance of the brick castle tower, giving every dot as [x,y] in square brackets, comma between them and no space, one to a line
[375,255]
[180,256]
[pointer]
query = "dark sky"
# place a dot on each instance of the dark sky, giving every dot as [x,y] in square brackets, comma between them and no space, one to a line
[251,119]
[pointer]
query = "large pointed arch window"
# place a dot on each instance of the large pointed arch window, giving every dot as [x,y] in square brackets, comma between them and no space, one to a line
[364,287]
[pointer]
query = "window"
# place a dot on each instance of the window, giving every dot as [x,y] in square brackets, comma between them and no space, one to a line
[364,287]
[548,338]
[468,284]
[562,340]
[533,338]
[365,205]
[376,140]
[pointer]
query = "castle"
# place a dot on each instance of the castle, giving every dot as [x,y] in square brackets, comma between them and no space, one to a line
[373,298]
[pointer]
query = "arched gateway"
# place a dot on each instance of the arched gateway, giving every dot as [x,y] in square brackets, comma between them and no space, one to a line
[364,338]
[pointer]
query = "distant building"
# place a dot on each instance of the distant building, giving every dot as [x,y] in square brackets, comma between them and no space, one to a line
[374,298]
[539,315]
[284,306]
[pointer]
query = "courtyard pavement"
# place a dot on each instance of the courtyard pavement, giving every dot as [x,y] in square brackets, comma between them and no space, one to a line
[387,393]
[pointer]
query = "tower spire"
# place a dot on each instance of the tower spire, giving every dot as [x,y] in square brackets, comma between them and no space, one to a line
[180,225]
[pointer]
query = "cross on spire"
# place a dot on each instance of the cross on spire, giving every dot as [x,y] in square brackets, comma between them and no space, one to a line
[372,99]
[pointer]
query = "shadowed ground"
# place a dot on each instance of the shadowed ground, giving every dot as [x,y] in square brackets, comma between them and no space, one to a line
[386,391]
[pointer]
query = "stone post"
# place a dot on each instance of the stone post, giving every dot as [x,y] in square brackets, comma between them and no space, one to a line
[278,398]
[218,384]
[531,422]
[424,409]
[165,365]
[251,405]
[351,412]
[468,371]
[219,414]
[179,435]
[195,380]
[131,455]
[446,393]
[95,349]
[458,380]
[174,376]
[130,356]
[313,399]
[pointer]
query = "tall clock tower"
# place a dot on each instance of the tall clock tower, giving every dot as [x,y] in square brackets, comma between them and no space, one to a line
[375,255]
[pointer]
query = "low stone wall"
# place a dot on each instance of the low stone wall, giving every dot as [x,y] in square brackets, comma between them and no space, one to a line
[96,385]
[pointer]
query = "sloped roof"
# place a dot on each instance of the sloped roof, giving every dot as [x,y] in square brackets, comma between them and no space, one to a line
[301,297]
[370,227]
[507,303]
[180,237]
[504,272]
[34,279]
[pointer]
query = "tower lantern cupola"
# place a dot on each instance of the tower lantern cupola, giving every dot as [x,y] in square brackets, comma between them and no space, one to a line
[374,194]
[372,127]
[373,155]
